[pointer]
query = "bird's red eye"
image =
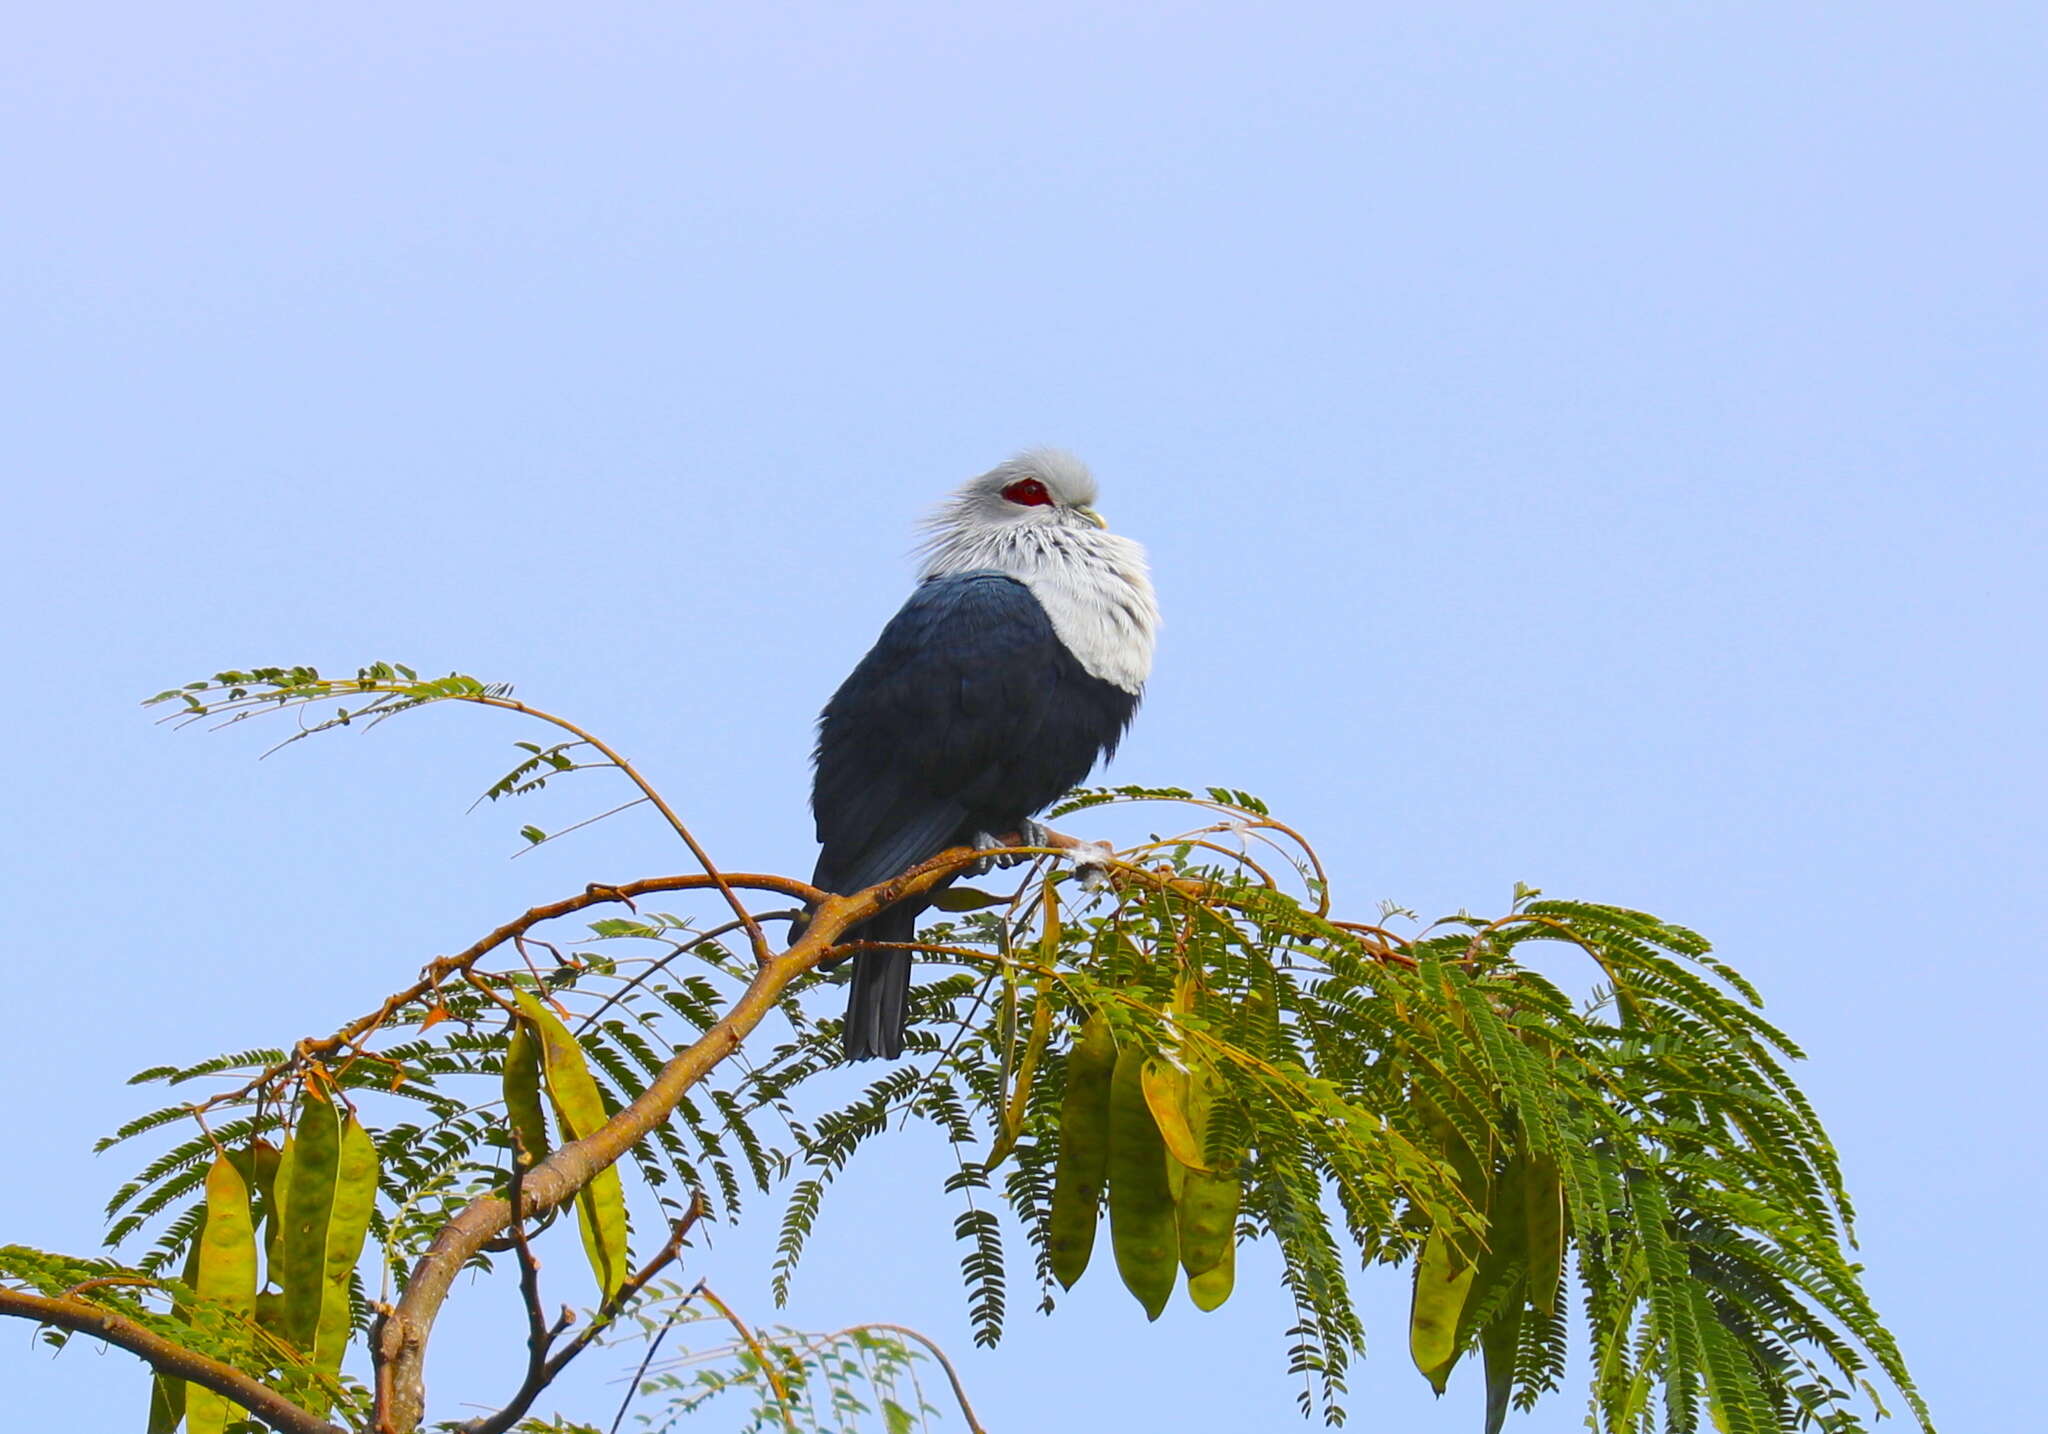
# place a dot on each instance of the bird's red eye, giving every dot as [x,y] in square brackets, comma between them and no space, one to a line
[1029,492]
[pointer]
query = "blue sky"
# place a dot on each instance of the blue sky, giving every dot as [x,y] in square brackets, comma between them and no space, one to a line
[1591,445]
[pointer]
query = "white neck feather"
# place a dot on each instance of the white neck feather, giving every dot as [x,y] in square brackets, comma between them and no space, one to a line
[1092,584]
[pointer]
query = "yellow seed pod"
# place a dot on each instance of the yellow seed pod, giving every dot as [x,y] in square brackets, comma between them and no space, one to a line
[1442,1281]
[225,1278]
[1212,1287]
[579,1109]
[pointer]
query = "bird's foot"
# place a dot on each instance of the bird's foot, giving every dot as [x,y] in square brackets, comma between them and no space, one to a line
[1029,833]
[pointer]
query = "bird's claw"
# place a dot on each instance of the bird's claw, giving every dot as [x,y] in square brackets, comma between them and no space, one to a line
[1029,833]
[985,841]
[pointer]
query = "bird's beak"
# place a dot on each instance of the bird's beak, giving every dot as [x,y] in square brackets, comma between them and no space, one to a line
[1092,516]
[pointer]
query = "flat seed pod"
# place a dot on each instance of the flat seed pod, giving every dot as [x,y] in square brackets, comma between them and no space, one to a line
[1213,1286]
[522,1097]
[1141,1214]
[1442,1281]
[263,1159]
[1543,1204]
[348,1223]
[308,1207]
[1500,1283]
[274,1221]
[1208,1198]
[225,1278]
[1166,1096]
[1208,1220]
[166,1404]
[1497,1342]
[600,1205]
[166,1392]
[1083,1162]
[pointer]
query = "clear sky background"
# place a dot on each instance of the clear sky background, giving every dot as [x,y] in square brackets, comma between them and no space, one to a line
[1593,445]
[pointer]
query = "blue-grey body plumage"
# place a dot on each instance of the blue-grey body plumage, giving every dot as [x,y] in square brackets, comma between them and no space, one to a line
[1015,665]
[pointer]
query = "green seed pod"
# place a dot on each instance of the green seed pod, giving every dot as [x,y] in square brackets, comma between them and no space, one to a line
[1084,1151]
[274,1221]
[308,1205]
[166,1392]
[1209,1197]
[522,1097]
[1497,1342]
[348,1223]
[1212,1287]
[225,1278]
[579,1107]
[1442,1281]
[1543,1197]
[262,1169]
[1141,1215]
[166,1404]
[1500,1283]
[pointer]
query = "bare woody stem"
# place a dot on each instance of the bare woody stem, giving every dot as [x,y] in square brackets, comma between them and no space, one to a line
[167,1357]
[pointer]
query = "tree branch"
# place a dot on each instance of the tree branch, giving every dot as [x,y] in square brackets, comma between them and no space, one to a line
[167,1357]
[442,967]
[399,1342]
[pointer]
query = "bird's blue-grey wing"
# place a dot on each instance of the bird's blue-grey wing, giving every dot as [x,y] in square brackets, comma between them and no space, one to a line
[959,678]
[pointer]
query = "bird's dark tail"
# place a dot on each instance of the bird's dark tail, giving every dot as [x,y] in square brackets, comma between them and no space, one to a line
[877,1002]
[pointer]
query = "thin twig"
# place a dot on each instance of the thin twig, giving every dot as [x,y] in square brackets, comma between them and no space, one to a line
[442,967]
[658,965]
[579,826]
[974,1425]
[768,1369]
[762,953]
[543,1372]
[675,1318]
[109,1281]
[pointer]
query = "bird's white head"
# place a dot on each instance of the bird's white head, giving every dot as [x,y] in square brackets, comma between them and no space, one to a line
[1040,487]
[1034,518]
